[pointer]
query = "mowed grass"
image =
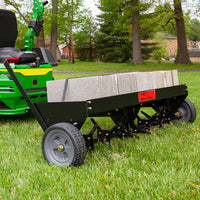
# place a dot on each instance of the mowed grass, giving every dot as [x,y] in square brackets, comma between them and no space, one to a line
[99,67]
[161,165]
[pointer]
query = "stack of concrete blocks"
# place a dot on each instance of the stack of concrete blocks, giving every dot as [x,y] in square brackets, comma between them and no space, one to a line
[85,88]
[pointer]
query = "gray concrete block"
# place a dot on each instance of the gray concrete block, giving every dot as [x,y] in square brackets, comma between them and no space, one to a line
[55,90]
[81,89]
[175,77]
[168,78]
[109,86]
[158,79]
[144,81]
[124,83]
[85,88]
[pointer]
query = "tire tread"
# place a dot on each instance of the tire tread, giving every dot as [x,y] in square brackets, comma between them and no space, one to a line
[77,139]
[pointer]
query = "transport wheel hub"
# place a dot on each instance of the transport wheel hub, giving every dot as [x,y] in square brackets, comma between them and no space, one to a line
[61,148]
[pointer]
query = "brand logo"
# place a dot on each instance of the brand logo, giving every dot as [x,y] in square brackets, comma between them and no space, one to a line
[146,96]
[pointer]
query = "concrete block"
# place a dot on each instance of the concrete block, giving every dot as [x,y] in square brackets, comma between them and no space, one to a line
[85,88]
[158,79]
[81,89]
[134,86]
[144,81]
[124,83]
[55,90]
[168,78]
[175,77]
[109,86]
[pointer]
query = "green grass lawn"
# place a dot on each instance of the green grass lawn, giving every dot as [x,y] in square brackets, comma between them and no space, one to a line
[163,165]
[93,66]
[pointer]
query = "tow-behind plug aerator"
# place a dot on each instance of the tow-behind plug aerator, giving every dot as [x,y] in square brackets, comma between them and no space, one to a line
[122,97]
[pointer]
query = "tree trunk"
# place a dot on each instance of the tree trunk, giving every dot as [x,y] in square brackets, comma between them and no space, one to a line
[54,27]
[70,52]
[182,56]
[41,39]
[90,49]
[137,48]
[70,29]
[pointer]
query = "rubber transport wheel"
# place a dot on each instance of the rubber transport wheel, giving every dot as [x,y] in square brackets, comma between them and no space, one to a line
[63,145]
[188,111]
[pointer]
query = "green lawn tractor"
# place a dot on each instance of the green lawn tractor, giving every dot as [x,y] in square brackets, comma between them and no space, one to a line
[33,66]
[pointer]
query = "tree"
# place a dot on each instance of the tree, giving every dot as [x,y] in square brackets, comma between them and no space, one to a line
[137,48]
[85,40]
[171,20]
[69,18]
[54,28]
[163,18]
[122,19]
[113,40]
[70,31]
[182,56]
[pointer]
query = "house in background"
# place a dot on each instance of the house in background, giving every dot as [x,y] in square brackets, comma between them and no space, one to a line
[170,43]
[65,51]
[194,55]
[194,52]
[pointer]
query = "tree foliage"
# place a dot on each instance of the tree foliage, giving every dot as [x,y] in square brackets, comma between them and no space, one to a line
[85,40]
[194,30]
[164,19]
[114,38]
[59,17]
[122,26]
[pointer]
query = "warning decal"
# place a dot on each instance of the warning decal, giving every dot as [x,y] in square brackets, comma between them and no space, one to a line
[146,96]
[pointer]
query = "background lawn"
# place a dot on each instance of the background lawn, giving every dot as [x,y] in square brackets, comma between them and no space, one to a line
[93,66]
[163,165]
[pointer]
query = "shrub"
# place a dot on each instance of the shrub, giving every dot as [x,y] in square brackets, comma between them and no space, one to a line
[115,56]
[159,54]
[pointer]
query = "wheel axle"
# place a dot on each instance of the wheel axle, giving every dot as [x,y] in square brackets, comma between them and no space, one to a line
[61,148]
